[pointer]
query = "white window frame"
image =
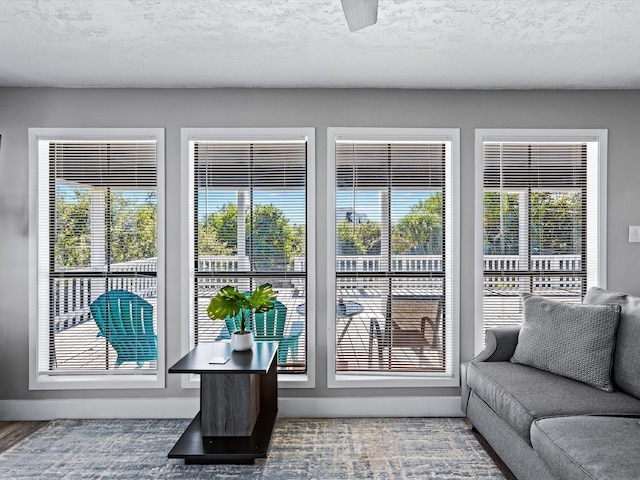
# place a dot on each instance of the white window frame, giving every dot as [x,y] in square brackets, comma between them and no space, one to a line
[596,181]
[38,275]
[452,258]
[189,135]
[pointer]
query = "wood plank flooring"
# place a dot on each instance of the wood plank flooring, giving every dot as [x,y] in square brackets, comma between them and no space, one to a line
[14,432]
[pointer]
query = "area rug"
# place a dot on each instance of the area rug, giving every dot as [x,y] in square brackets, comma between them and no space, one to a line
[376,448]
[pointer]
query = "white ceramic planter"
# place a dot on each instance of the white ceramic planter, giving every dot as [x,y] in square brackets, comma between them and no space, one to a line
[241,341]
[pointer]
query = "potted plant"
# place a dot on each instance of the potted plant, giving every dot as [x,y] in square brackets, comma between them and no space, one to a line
[229,302]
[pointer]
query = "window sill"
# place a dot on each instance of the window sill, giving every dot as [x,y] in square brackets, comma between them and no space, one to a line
[96,382]
[392,381]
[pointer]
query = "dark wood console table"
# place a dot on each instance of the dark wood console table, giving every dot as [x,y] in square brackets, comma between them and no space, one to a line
[238,404]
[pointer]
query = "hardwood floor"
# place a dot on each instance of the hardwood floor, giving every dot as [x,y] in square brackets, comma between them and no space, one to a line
[14,432]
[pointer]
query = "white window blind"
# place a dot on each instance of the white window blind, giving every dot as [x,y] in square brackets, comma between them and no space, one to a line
[540,223]
[97,234]
[249,211]
[393,269]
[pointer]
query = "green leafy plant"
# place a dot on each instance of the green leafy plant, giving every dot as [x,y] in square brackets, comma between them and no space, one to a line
[229,302]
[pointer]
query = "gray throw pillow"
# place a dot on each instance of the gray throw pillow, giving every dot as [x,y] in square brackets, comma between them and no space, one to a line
[572,340]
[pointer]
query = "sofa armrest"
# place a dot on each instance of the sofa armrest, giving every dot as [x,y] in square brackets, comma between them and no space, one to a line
[500,345]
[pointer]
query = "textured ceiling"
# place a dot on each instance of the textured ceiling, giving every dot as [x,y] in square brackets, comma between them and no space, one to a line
[483,44]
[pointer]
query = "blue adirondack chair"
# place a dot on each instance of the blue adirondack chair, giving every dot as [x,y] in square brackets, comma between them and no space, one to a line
[269,327]
[126,321]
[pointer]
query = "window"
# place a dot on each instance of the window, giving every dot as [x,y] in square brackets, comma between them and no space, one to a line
[97,215]
[249,223]
[393,228]
[541,223]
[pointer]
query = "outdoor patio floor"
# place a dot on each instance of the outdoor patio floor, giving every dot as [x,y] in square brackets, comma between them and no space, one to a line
[80,349]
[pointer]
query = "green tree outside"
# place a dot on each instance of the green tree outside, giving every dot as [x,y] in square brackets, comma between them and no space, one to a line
[556,223]
[272,241]
[358,238]
[209,242]
[72,248]
[420,231]
[133,228]
[218,233]
[501,223]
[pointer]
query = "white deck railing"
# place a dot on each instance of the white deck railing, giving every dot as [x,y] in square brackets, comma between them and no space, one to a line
[538,262]
[72,297]
[503,264]
[399,263]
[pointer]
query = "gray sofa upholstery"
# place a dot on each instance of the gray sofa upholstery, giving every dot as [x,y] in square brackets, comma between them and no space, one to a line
[546,426]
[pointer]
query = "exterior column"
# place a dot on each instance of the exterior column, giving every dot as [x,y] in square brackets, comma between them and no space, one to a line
[243,257]
[385,228]
[97,237]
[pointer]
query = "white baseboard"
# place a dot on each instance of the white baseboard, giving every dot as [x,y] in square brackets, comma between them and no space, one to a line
[334,407]
[288,407]
[99,408]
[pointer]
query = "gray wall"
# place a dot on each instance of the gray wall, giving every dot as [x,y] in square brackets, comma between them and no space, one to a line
[617,111]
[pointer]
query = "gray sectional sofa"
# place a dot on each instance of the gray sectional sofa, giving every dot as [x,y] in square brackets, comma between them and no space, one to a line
[543,406]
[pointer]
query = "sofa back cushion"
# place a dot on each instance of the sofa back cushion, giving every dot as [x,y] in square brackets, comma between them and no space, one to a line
[575,341]
[626,365]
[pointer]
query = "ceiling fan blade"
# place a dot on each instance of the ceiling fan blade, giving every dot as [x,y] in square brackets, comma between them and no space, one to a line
[360,13]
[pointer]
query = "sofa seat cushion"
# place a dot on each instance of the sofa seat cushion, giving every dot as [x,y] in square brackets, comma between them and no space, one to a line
[519,394]
[588,447]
